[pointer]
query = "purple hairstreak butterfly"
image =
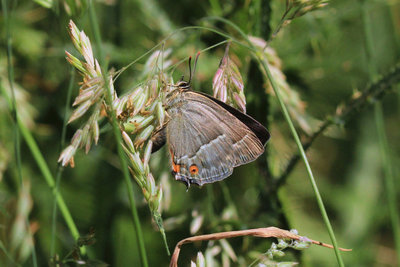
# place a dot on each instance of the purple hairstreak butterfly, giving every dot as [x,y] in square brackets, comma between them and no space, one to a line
[207,138]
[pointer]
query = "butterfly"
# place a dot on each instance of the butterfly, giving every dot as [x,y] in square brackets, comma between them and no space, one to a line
[207,138]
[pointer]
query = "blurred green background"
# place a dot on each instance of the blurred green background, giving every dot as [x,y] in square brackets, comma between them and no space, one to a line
[323,55]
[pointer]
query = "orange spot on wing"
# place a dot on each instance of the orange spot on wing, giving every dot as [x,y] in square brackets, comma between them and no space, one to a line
[194,169]
[175,167]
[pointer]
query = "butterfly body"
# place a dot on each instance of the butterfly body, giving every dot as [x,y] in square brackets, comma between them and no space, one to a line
[207,138]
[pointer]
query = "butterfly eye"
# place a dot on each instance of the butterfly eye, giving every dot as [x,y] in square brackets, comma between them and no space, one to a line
[194,169]
[183,85]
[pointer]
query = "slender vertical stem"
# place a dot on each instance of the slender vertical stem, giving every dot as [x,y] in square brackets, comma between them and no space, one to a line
[8,255]
[306,163]
[60,167]
[118,139]
[389,178]
[216,7]
[37,155]
[285,112]
[17,145]
[210,201]
[40,161]
[385,152]
[10,73]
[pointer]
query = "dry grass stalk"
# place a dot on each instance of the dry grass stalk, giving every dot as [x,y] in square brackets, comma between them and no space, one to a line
[258,232]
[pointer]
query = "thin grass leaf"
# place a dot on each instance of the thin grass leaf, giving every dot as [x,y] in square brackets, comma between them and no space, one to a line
[110,93]
[285,112]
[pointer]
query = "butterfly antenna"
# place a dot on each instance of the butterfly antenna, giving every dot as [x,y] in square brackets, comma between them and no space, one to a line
[195,64]
[190,70]
[191,73]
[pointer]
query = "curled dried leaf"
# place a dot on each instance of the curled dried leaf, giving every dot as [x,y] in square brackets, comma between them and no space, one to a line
[258,232]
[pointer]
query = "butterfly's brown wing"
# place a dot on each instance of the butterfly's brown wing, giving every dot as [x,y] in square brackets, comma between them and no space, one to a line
[259,130]
[206,141]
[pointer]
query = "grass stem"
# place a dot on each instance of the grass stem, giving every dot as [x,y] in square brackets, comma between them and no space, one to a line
[306,163]
[285,112]
[118,138]
[60,168]
[14,112]
[40,161]
[37,155]
[385,152]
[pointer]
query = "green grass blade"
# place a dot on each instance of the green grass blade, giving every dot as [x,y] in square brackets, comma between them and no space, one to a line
[40,161]
[14,112]
[385,152]
[60,168]
[389,178]
[306,163]
[37,155]
[3,249]
[118,139]
[296,138]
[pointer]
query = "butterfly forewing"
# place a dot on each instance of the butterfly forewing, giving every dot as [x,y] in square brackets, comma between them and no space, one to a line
[262,133]
[206,141]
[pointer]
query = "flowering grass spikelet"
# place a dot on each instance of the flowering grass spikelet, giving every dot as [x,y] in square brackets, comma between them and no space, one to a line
[228,83]
[296,106]
[138,113]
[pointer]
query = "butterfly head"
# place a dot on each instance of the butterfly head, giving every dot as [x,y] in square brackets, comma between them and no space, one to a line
[183,85]
[186,85]
[175,94]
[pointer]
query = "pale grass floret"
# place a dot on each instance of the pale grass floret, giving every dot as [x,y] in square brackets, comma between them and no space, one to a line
[296,107]
[200,261]
[305,6]
[228,83]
